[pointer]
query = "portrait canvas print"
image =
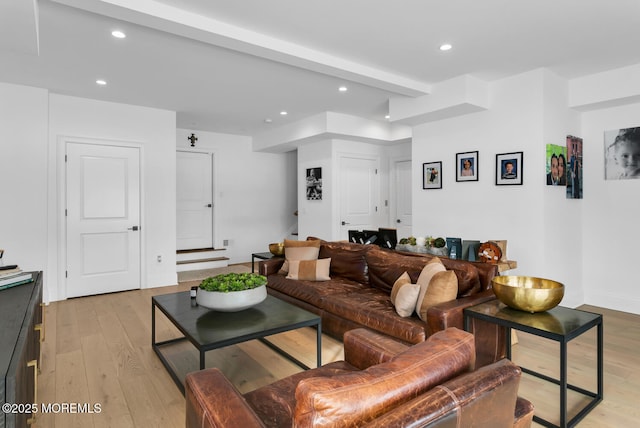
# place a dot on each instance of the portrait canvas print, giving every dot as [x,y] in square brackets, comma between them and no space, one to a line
[622,154]
[314,184]
[574,167]
[556,165]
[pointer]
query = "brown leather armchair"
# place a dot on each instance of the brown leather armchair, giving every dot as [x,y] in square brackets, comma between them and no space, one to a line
[381,383]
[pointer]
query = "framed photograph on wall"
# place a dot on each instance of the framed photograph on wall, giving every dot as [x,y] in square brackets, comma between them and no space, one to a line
[467,166]
[432,175]
[314,184]
[509,169]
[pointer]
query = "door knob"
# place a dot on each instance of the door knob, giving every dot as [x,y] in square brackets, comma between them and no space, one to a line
[344,223]
[208,206]
[134,228]
[398,221]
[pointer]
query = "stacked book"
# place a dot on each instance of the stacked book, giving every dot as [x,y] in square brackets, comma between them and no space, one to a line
[12,275]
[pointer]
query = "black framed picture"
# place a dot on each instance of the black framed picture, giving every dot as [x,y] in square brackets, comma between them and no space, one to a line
[467,166]
[314,184]
[509,169]
[432,175]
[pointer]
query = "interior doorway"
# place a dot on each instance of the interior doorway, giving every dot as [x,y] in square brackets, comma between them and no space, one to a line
[358,194]
[102,222]
[401,198]
[194,204]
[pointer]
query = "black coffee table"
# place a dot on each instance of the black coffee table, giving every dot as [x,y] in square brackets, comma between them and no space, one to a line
[207,329]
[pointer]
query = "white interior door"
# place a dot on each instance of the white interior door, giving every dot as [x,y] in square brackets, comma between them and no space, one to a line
[103,218]
[402,196]
[358,194]
[194,200]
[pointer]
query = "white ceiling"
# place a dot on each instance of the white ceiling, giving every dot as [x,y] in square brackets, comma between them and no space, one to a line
[226,66]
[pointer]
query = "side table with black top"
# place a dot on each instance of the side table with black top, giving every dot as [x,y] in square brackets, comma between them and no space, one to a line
[261,256]
[559,324]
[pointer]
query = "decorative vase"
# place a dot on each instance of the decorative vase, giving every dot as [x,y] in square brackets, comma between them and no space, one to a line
[232,301]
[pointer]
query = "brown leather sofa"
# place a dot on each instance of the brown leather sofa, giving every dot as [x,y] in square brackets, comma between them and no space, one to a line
[381,383]
[358,295]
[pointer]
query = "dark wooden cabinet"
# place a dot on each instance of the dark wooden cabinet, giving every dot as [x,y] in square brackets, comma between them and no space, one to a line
[21,330]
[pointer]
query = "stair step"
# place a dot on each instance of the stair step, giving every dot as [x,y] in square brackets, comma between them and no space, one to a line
[199,264]
[209,259]
[199,254]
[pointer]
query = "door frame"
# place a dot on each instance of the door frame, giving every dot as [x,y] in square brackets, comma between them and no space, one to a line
[214,200]
[61,180]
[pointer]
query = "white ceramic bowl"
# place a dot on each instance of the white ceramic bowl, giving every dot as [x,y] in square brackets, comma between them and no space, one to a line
[233,301]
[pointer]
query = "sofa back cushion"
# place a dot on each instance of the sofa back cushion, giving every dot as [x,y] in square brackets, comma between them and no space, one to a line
[347,260]
[385,266]
[354,398]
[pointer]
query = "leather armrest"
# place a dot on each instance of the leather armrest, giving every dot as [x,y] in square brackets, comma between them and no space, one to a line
[365,348]
[271,266]
[450,314]
[212,401]
[490,338]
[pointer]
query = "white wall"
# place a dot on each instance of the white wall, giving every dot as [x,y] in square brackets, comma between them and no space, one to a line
[535,220]
[322,218]
[154,131]
[23,174]
[610,217]
[254,193]
[316,217]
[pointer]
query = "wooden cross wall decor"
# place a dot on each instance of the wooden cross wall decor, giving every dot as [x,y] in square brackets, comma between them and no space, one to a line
[193,139]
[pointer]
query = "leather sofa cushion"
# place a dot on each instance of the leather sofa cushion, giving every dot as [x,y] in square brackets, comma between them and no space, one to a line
[274,403]
[313,292]
[349,399]
[385,266]
[372,308]
[347,260]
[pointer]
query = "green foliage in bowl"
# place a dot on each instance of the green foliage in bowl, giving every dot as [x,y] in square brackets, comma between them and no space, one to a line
[227,282]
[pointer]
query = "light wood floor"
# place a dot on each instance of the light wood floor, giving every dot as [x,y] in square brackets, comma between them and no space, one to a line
[97,350]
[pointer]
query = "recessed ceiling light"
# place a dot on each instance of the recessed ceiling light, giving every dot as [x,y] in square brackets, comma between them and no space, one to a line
[268,120]
[445,47]
[118,34]
[387,117]
[283,113]
[343,89]
[101,82]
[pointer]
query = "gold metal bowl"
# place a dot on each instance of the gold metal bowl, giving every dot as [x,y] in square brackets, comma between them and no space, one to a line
[527,293]
[277,249]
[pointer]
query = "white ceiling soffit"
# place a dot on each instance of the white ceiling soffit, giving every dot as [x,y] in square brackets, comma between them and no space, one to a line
[19,26]
[169,19]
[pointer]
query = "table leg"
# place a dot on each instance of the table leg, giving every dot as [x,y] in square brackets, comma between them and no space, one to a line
[563,384]
[153,324]
[253,269]
[319,345]
[508,342]
[600,361]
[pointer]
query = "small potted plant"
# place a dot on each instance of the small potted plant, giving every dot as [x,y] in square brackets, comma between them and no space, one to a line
[232,292]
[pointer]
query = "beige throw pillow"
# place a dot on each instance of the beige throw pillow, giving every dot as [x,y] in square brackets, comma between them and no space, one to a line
[310,270]
[404,295]
[299,250]
[434,266]
[443,287]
